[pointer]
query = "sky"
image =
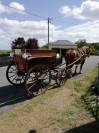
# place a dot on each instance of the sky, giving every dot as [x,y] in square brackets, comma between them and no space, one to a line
[69,20]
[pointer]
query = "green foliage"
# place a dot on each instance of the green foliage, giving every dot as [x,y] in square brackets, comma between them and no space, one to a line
[81,43]
[77,86]
[94,46]
[91,104]
[44,46]
[68,113]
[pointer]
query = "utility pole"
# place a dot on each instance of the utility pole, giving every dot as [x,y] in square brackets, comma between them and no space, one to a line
[48,30]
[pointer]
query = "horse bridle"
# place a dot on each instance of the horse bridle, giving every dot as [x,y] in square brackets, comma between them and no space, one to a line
[83,52]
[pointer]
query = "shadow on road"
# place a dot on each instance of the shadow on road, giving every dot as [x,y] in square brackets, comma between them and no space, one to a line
[10,95]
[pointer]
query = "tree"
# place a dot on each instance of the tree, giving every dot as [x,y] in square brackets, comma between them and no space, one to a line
[32,43]
[81,43]
[96,46]
[20,43]
[45,46]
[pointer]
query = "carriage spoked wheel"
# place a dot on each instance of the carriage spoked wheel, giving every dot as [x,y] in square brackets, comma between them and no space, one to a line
[61,77]
[14,76]
[69,73]
[36,81]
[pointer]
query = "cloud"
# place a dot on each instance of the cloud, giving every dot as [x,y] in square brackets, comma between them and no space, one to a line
[88,31]
[11,29]
[13,7]
[17,6]
[65,10]
[27,29]
[2,8]
[88,9]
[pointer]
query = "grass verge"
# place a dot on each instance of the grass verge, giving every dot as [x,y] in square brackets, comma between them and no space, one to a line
[56,111]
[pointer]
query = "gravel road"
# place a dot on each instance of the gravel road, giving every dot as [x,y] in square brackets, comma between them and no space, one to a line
[10,95]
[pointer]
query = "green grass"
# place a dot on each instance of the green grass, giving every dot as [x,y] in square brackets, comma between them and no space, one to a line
[4,52]
[84,97]
[77,86]
[68,113]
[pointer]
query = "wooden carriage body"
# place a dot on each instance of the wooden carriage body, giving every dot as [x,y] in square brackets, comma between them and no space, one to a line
[34,68]
[26,58]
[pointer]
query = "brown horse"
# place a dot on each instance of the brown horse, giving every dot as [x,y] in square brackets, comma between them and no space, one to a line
[77,57]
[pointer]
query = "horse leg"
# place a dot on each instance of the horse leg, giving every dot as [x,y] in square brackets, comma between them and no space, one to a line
[76,69]
[81,67]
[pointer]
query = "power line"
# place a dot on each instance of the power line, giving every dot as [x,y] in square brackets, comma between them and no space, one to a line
[33,14]
[49,20]
[27,12]
[36,15]
[57,17]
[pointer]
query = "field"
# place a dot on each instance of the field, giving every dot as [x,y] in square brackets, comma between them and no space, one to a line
[60,110]
[4,52]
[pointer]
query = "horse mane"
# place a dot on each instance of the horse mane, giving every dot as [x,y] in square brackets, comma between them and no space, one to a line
[84,50]
[20,43]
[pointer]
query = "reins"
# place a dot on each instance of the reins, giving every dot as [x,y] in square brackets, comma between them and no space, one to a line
[75,61]
[72,62]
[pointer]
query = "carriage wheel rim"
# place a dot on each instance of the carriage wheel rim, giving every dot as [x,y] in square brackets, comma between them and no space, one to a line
[13,77]
[42,77]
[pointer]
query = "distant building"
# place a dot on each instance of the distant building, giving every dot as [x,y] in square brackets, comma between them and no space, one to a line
[62,45]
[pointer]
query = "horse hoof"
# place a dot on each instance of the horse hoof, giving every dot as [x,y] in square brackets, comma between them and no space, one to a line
[80,72]
[74,74]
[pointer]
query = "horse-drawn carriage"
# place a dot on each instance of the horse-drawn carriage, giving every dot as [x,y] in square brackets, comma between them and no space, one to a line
[33,67]
[30,67]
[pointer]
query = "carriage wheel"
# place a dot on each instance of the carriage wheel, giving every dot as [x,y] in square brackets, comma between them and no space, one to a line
[69,73]
[14,76]
[61,77]
[35,81]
